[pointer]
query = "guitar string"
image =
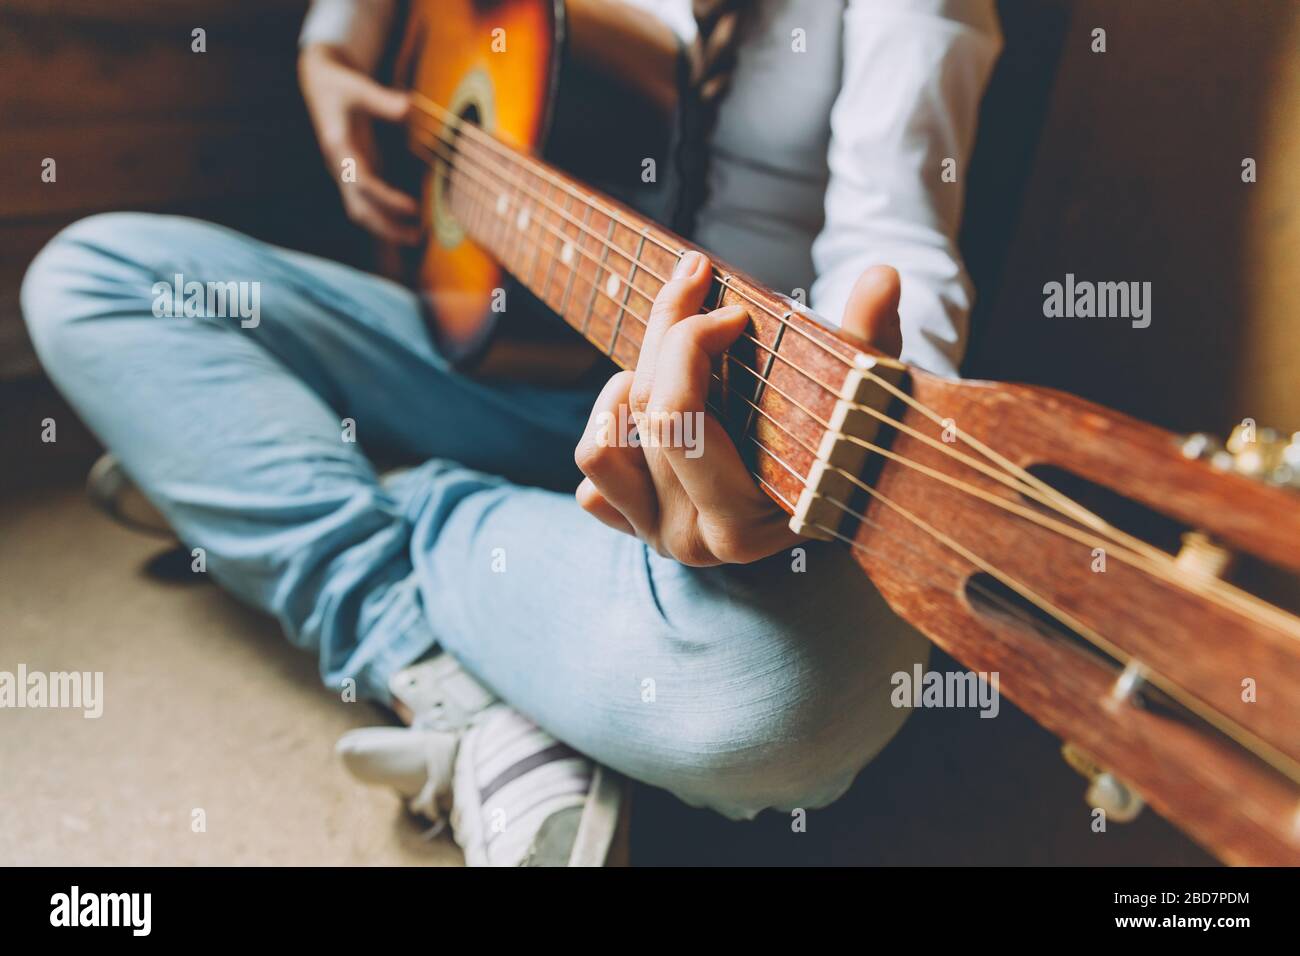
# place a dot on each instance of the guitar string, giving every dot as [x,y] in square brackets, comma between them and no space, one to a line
[1157,562]
[1223,723]
[1140,555]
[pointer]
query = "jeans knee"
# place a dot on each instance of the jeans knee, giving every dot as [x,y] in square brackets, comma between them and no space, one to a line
[69,278]
[792,716]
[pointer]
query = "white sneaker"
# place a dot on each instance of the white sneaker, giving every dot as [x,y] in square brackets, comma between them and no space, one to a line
[517,797]
[417,761]
[522,798]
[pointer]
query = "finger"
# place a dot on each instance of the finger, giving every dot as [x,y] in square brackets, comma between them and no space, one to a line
[735,522]
[696,447]
[681,296]
[615,465]
[593,502]
[379,101]
[871,313]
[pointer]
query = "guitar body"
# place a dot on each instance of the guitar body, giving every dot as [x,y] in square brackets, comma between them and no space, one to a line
[588,86]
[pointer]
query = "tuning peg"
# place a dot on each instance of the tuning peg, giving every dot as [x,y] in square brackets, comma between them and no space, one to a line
[1121,802]
[1202,556]
[1260,453]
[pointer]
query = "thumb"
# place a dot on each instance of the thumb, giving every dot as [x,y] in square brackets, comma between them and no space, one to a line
[381,101]
[871,313]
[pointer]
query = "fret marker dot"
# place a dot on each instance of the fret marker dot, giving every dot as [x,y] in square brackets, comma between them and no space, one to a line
[522,221]
[503,203]
[566,253]
[611,285]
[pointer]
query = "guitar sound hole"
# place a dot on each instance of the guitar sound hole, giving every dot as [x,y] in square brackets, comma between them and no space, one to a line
[469,116]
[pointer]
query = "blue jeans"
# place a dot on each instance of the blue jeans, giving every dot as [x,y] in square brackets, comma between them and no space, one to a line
[736,688]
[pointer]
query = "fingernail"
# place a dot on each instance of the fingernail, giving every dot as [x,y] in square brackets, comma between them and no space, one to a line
[729,313]
[687,264]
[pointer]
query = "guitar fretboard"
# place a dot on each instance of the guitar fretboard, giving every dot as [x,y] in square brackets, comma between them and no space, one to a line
[597,265]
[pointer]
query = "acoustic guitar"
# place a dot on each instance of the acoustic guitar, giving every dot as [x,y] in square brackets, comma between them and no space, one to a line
[1093,561]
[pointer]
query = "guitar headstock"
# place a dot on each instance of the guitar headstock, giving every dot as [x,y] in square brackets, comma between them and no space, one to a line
[1100,565]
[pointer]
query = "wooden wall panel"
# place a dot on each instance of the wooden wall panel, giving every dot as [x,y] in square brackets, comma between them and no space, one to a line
[98,59]
[1138,177]
[134,119]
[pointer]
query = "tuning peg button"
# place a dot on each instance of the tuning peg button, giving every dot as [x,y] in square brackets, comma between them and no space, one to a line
[1122,803]
[1260,453]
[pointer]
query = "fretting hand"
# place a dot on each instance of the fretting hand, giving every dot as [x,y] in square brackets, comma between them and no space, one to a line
[694,500]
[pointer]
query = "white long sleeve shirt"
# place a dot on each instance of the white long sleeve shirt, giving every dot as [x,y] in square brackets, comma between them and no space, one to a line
[842,144]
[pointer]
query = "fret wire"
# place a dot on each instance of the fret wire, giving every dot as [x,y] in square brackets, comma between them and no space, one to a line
[499,234]
[595,279]
[555,257]
[573,267]
[487,220]
[511,240]
[623,308]
[589,261]
[479,221]
[525,216]
[766,373]
[521,211]
[539,248]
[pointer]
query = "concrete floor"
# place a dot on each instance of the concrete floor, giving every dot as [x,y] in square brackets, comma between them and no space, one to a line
[206,706]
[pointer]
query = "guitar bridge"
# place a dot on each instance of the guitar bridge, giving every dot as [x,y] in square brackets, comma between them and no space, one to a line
[829,488]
